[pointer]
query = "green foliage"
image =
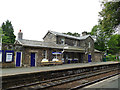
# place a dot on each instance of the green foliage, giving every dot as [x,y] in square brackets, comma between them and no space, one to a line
[114,44]
[95,29]
[112,58]
[8,32]
[1,32]
[73,34]
[100,43]
[108,22]
[110,16]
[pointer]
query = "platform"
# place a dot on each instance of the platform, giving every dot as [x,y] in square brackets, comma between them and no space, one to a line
[21,70]
[113,82]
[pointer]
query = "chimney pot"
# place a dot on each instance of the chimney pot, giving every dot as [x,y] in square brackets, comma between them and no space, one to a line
[20,35]
[84,33]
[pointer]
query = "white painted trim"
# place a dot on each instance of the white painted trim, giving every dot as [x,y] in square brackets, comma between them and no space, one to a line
[21,59]
[35,59]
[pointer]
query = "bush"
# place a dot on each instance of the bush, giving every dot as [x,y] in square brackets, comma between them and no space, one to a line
[110,57]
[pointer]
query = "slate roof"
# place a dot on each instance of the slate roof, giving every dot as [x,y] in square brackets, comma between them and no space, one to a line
[69,36]
[34,43]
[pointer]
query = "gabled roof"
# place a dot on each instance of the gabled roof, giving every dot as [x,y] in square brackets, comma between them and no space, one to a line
[34,43]
[68,36]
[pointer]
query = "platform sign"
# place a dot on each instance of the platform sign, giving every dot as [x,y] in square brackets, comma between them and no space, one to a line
[55,53]
[9,55]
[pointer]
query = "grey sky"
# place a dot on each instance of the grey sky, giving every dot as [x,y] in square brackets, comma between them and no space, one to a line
[36,17]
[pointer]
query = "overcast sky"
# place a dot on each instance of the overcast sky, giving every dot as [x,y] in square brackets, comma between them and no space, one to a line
[36,17]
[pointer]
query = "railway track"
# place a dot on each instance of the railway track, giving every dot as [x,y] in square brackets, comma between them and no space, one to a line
[79,84]
[72,81]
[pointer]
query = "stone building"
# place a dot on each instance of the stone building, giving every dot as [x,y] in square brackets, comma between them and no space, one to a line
[63,47]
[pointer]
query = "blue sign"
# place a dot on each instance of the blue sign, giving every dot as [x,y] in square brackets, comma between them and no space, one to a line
[56,53]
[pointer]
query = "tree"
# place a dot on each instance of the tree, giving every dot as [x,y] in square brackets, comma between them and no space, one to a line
[73,34]
[1,32]
[114,44]
[100,43]
[95,30]
[107,24]
[8,32]
[109,16]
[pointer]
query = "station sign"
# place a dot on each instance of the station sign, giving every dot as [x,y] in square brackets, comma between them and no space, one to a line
[55,53]
[9,55]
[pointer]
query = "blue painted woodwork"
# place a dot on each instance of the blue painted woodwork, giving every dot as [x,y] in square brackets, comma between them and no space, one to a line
[18,59]
[32,59]
[89,58]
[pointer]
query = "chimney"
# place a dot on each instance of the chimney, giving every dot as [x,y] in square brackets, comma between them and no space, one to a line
[84,33]
[20,35]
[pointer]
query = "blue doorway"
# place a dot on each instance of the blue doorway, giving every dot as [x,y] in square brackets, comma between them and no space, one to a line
[18,59]
[89,58]
[32,59]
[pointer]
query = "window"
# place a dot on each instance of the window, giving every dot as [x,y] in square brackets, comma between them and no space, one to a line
[89,45]
[62,41]
[45,54]
[75,44]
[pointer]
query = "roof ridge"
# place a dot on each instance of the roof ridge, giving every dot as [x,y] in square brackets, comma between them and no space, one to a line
[58,33]
[31,40]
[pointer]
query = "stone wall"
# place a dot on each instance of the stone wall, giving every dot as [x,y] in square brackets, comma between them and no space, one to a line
[39,55]
[82,43]
[89,50]
[68,41]
[10,47]
[50,38]
[98,57]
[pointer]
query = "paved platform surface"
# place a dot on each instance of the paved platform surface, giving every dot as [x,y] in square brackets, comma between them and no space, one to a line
[113,82]
[23,70]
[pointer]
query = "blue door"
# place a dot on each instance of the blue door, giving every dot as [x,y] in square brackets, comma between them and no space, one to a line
[18,59]
[32,59]
[89,58]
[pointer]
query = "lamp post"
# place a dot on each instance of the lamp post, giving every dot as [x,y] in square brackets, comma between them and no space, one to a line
[63,59]
[1,41]
[1,47]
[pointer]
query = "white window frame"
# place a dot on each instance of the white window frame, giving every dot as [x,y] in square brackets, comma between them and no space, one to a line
[62,41]
[45,54]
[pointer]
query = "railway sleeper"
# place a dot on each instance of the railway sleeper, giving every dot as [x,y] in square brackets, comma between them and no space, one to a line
[50,84]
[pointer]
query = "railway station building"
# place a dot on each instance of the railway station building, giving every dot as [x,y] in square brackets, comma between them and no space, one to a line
[54,47]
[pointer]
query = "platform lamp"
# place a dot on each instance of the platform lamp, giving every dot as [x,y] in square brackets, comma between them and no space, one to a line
[64,50]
